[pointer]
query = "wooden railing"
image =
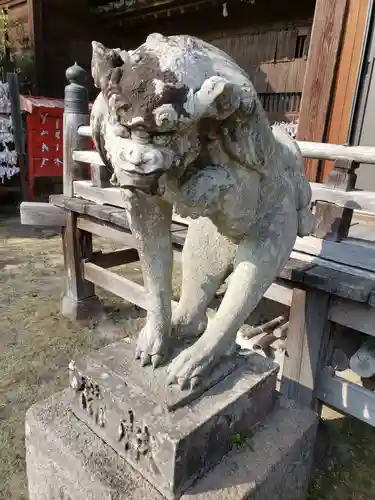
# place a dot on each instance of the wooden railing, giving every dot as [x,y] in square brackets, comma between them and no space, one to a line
[313,307]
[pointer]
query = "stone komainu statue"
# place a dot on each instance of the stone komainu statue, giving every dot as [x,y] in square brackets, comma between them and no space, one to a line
[179,124]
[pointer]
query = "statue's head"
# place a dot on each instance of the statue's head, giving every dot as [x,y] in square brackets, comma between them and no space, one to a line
[153,116]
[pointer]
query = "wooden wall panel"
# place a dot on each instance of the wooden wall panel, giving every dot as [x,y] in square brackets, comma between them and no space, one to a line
[327,31]
[269,57]
[346,76]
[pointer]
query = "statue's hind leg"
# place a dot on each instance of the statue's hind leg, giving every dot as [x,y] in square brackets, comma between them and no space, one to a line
[260,257]
[206,258]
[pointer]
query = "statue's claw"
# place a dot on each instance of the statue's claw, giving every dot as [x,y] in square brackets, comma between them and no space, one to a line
[189,367]
[151,347]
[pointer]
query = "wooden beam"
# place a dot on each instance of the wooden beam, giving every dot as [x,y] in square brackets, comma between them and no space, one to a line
[309,149]
[359,317]
[115,258]
[324,151]
[106,230]
[42,214]
[355,200]
[307,342]
[329,20]
[304,257]
[120,286]
[347,397]
[85,131]
[348,254]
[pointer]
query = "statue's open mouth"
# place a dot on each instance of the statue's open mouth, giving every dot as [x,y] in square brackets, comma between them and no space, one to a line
[143,182]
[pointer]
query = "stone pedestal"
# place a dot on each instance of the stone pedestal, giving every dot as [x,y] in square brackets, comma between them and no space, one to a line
[66,460]
[171,437]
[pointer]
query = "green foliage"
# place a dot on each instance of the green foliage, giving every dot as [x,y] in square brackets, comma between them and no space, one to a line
[16,53]
[239,441]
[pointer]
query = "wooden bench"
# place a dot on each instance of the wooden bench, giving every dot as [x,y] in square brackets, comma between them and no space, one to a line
[329,279]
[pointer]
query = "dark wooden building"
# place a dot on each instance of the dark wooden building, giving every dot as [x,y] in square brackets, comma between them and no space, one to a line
[303,55]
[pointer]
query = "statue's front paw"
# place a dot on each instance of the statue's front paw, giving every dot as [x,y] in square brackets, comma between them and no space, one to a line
[190,366]
[152,346]
[186,327]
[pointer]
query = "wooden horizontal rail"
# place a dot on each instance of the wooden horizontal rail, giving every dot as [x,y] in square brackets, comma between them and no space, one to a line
[85,131]
[356,200]
[42,214]
[358,317]
[91,157]
[313,150]
[347,397]
[115,258]
[120,286]
[324,151]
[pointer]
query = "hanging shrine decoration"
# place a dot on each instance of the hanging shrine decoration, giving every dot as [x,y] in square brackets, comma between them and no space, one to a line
[8,155]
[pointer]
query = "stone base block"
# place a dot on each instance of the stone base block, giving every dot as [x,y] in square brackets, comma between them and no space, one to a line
[172,437]
[67,461]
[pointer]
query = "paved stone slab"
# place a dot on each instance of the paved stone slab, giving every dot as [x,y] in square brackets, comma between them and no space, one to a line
[129,407]
[67,461]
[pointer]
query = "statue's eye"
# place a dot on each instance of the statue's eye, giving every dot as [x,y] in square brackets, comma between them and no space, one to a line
[162,139]
[121,131]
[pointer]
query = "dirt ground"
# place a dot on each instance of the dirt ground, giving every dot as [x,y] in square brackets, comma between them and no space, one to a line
[36,345]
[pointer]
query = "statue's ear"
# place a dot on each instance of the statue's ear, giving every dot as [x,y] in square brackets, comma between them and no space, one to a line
[103,62]
[217,98]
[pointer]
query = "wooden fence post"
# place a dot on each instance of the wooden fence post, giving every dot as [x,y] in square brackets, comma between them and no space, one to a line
[333,222]
[79,300]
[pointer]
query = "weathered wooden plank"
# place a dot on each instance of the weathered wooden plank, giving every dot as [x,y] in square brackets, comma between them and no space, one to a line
[103,196]
[356,200]
[85,131]
[307,342]
[338,283]
[286,45]
[102,212]
[313,150]
[58,200]
[100,176]
[106,230]
[352,255]
[115,258]
[331,221]
[77,205]
[280,292]
[87,156]
[120,219]
[303,257]
[120,286]
[344,396]
[324,151]
[329,22]
[360,317]
[42,214]
[294,270]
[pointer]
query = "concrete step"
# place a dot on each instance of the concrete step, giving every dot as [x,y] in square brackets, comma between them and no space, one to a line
[67,461]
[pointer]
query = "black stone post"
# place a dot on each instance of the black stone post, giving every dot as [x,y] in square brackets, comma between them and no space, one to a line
[79,301]
[76,114]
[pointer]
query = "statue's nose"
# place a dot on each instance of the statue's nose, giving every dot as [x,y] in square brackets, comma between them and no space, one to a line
[135,156]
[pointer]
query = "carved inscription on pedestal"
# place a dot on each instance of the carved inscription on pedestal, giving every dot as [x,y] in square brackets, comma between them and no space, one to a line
[136,438]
